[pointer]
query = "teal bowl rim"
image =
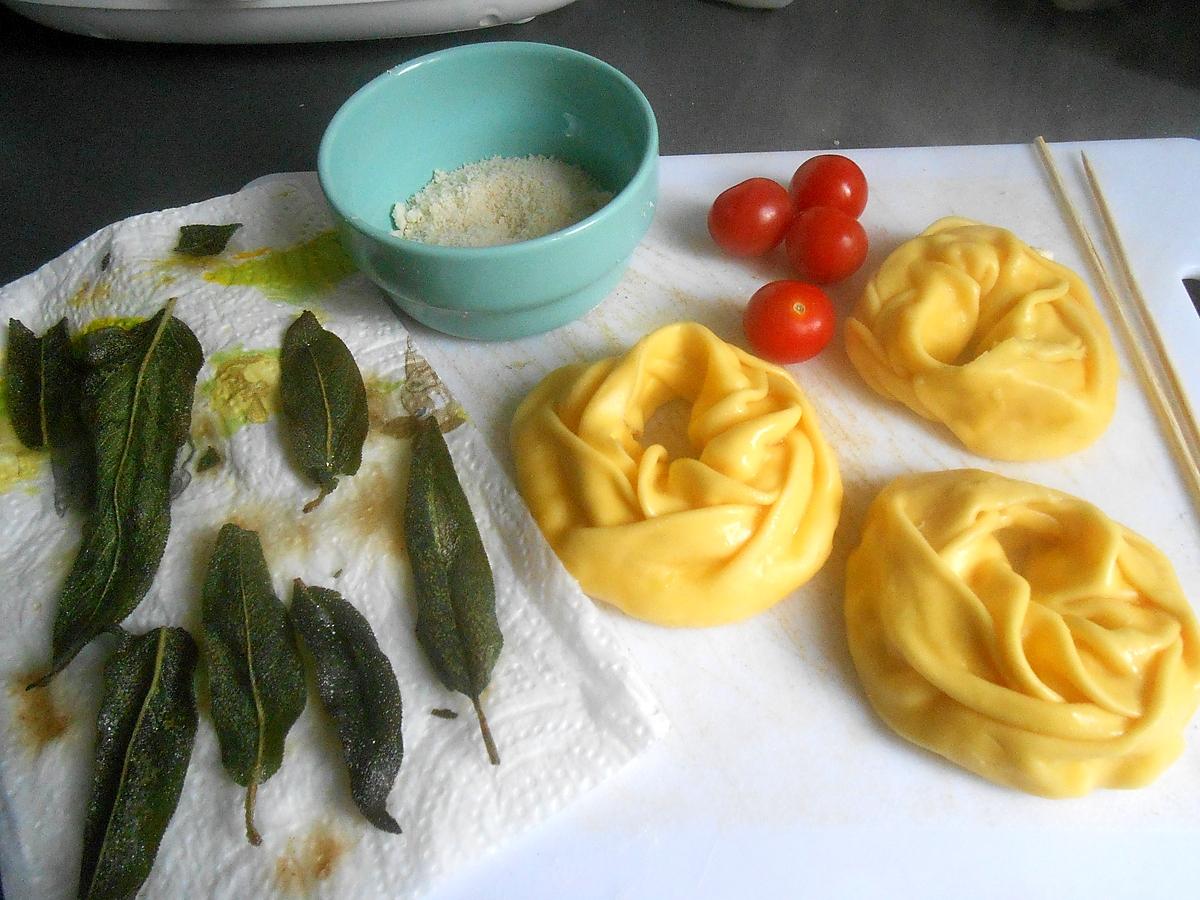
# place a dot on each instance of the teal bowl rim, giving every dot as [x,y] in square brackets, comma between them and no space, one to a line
[645,169]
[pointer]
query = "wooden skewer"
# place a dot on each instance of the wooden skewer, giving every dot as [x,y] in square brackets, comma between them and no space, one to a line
[1167,417]
[1182,403]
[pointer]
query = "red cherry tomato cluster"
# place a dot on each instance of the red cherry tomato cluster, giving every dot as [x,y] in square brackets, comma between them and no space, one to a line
[816,219]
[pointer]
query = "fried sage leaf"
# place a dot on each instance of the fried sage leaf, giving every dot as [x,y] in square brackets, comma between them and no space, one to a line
[144,735]
[205,240]
[456,597]
[44,384]
[137,405]
[256,677]
[209,459]
[359,691]
[324,404]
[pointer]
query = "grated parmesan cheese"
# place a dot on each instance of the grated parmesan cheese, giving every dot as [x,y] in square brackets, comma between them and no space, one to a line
[501,200]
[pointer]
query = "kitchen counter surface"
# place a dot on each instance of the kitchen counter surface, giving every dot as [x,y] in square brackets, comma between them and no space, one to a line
[95,130]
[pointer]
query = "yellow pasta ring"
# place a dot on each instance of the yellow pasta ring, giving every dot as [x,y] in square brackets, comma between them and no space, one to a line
[967,325]
[708,538]
[1021,633]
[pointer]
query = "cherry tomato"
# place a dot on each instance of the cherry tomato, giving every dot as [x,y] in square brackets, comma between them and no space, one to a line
[750,218]
[788,321]
[825,245]
[830,180]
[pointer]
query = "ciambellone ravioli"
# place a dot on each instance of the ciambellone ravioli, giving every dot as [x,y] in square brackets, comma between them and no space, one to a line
[969,326]
[1021,633]
[705,538]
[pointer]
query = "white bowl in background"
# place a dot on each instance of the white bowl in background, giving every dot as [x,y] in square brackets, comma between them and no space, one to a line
[274,21]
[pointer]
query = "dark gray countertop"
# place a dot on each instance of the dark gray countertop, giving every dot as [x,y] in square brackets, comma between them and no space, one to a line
[93,131]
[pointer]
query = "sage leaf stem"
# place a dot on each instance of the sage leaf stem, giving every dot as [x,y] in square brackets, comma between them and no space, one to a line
[455,593]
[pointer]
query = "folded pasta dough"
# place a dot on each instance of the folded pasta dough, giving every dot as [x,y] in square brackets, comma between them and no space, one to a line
[701,539]
[967,325]
[1021,633]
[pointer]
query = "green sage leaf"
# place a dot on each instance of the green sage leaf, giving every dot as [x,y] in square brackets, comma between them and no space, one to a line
[324,404]
[137,405]
[144,735]
[455,594]
[44,383]
[209,459]
[205,240]
[256,676]
[359,690]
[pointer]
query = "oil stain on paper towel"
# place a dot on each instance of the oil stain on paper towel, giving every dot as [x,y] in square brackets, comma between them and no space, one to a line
[295,275]
[96,324]
[280,532]
[37,712]
[90,293]
[17,462]
[393,407]
[380,406]
[371,508]
[309,861]
[244,388]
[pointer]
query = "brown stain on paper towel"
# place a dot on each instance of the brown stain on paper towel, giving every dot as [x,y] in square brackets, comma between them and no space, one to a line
[281,531]
[37,712]
[374,505]
[309,860]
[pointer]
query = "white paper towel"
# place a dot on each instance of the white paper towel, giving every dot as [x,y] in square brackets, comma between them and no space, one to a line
[564,704]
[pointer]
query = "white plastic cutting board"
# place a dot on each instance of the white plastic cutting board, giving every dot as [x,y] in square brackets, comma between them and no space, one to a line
[777,780]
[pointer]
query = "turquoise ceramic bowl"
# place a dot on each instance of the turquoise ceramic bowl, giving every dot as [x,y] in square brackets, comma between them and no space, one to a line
[469,103]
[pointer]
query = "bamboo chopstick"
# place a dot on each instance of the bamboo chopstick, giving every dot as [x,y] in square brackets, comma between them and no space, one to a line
[1168,417]
[1182,403]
